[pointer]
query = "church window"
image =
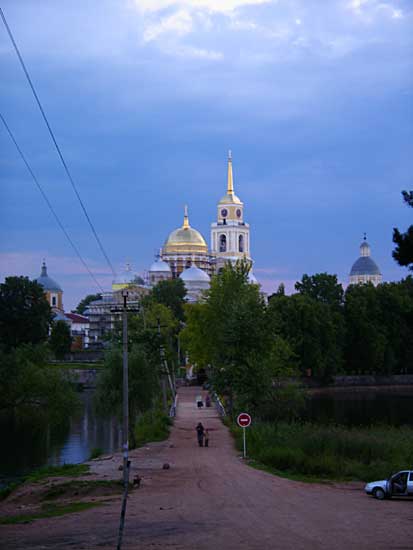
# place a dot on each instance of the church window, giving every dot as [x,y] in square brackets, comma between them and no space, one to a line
[241,243]
[53,300]
[222,243]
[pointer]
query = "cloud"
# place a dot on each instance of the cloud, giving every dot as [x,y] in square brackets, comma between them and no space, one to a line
[179,23]
[219,6]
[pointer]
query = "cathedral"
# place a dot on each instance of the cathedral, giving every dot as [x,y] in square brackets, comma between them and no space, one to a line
[185,253]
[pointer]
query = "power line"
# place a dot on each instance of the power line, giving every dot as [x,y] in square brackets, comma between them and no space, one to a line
[56,144]
[72,244]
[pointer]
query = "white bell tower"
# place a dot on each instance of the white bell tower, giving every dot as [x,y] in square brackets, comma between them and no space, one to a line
[230,235]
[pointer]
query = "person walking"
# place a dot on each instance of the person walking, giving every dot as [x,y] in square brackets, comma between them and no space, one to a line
[206,437]
[200,434]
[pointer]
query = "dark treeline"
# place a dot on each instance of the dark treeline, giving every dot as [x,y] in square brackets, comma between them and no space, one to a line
[365,329]
[249,347]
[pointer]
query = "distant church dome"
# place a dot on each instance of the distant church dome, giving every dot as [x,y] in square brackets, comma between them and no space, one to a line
[159,266]
[47,282]
[124,279]
[365,269]
[185,239]
[194,274]
[196,282]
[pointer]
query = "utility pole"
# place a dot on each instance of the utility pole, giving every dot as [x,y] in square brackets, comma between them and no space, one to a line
[125,412]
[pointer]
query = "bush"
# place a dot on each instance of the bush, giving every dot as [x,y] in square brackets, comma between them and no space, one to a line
[330,451]
[153,425]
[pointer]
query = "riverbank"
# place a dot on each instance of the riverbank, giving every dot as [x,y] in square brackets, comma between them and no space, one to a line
[301,450]
[209,498]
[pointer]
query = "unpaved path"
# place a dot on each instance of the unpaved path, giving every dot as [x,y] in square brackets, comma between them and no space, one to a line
[209,499]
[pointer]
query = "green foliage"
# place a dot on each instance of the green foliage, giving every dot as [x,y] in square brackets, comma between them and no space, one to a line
[25,314]
[66,470]
[379,327]
[321,287]
[82,306]
[152,425]
[313,329]
[227,333]
[28,386]
[60,339]
[143,385]
[403,253]
[331,451]
[170,293]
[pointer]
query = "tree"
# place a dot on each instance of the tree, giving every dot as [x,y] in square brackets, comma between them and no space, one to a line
[82,306]
[143,385]
[313,329]
[28,386]
[60,339]
[25,314]
[403,253]
[227,334]
[171,294]
[322,287]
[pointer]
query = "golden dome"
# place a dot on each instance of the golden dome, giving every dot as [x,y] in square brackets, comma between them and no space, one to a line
[185,239]
[230,198]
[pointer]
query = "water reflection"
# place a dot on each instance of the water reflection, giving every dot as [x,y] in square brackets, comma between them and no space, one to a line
[30,445]
[362,408]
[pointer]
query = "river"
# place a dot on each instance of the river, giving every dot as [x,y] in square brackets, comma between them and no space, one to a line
[27,448]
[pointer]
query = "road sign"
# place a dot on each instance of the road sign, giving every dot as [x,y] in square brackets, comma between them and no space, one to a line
[244,420]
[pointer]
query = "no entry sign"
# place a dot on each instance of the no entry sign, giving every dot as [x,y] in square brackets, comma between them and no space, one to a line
[244,420]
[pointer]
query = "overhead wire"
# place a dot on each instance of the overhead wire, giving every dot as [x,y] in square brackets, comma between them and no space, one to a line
[66,169]
[49,204]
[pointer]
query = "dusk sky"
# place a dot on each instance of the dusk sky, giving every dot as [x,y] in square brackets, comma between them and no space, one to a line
[313,97]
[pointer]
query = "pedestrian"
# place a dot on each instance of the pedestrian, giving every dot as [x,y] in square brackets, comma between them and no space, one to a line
[206,437]
[200,434]
[199,402]
[208,401]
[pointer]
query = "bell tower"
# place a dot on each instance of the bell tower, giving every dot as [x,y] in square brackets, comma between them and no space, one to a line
[230,235]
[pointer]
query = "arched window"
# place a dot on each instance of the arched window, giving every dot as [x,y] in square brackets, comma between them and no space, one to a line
[241,243]
[53,300]
[222,243]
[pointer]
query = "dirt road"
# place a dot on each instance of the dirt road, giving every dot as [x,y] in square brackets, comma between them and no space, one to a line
[209,499]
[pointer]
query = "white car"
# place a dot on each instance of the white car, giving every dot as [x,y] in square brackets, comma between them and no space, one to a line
[400,485]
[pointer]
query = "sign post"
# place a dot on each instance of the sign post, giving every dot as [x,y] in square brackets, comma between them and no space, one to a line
[244,421]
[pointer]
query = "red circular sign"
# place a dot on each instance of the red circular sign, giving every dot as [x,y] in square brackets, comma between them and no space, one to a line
[244,420]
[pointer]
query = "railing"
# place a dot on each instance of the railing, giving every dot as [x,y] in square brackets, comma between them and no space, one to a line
[172,410]
[218,404]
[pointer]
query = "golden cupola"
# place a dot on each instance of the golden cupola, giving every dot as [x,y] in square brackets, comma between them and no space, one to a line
[185,240]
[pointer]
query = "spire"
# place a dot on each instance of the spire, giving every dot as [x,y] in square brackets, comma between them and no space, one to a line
[230,185]
[186,220]
[44,269]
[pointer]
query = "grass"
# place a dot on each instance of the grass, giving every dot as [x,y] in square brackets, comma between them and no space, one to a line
[67,470]
[153,425]
[49,511]
[315,452]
